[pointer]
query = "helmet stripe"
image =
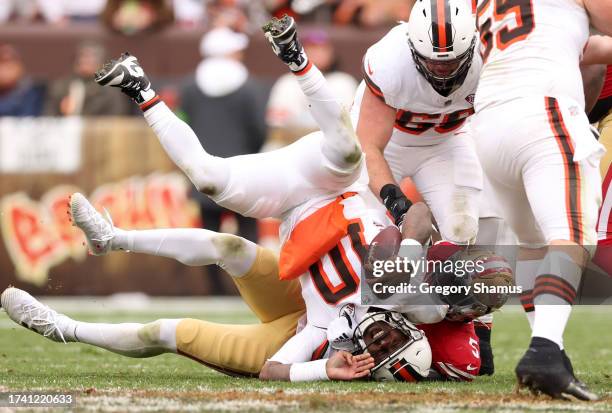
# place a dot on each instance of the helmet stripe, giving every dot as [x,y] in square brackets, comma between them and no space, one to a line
[441,25]
[404,372]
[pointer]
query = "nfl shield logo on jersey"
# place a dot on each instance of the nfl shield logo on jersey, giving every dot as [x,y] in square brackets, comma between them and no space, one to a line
[470,99]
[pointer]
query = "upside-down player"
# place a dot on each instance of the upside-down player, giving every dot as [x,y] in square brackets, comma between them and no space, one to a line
[313,185]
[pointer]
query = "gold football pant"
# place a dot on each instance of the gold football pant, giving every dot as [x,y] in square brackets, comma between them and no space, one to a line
[242,350]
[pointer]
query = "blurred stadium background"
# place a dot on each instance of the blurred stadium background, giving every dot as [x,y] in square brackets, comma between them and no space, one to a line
[59,132]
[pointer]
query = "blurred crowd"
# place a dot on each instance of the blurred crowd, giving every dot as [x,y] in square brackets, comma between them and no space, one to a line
[135,16]
[232,111]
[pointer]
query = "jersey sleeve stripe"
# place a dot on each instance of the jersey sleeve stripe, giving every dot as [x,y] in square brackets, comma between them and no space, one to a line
[370,83]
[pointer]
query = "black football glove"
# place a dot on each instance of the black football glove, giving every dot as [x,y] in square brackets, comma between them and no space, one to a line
[395,201]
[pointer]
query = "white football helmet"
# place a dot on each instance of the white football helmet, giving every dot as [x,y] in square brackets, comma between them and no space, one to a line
[401,351]
[442,36]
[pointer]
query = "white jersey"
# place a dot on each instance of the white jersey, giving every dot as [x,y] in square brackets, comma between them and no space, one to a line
[531,48]
[424,117]
[334,280]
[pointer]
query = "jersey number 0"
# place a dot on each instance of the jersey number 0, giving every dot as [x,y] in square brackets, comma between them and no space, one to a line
[343,267]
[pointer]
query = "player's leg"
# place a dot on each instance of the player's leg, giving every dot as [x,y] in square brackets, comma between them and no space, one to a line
[253,269]
[536,152]
[208,173]
[567,214]
[128,339]
[190,246]
[235,349]
[258,185]
[450,180]
[231,349]
[340,147]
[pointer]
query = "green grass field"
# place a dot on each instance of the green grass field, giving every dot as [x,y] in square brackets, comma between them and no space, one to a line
[103,381]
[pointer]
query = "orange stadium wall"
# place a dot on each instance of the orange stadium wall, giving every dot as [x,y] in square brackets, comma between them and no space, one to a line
[120,165]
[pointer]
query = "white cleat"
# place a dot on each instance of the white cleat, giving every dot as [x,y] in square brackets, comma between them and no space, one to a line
[27,311]
[98,231]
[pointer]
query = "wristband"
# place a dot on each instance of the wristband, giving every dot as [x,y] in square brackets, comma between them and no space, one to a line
[309,371]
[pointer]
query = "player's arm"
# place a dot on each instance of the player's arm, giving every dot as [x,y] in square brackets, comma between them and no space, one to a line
[593,77]
[598,51]
[340,366]
[374,130]
[600,13]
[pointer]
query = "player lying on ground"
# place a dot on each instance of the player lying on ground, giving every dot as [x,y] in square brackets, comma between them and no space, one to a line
[317,185]
[319,167]
[306,184]
[242,350]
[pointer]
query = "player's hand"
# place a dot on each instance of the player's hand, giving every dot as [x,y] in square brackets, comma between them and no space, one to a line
[396,202]
[345,366]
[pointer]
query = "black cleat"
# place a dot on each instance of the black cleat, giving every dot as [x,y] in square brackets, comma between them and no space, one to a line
[542,369]
[487,367]
[126,74]
[282,35]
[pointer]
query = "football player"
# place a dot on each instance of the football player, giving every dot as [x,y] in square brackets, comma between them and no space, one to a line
[535,145]
[317,185]
[399,350]
[411,111]
[232,349]
[313,185]
[411,114]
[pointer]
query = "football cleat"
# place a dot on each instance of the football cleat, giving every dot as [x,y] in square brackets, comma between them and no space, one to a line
[570,368]
[542,369]
[126,74]
[27,311]
[98,231]
[282,35]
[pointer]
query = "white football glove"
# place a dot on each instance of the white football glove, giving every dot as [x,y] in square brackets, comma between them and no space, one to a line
[340,330]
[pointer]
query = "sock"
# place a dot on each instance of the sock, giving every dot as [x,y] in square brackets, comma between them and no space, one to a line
[129,339]
[526,271]
[340,144]
[150,99]
[191,246]
[554,293]
[550,322]
[208,173]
